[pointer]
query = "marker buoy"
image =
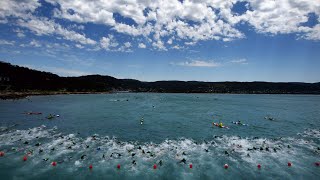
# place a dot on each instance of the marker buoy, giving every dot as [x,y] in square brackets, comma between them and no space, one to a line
[226,166]
[317,163]
[289,164]
[190,166]
[259,166]
[1,153]
[90,167]
[154,166]
[118,166]
[54,163]
[24,158]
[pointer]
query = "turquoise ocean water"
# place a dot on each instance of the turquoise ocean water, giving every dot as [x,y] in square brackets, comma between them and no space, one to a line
[104,130]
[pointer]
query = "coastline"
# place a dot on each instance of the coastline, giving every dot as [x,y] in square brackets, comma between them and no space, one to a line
[21,95]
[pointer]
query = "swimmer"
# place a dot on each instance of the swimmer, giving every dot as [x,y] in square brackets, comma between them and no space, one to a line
[183,161]
[83,156]
[160,162]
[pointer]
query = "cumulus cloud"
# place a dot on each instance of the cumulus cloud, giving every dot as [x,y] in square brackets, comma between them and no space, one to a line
[127,44]
[108,42]
[141,45]
[198,63]
[35,43]
[43,26]
[17,8]
[19,32]
[79,46]
[5,42]
[162,21]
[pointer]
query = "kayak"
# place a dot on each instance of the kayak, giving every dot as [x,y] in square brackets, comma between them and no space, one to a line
[237,123]
[217,124]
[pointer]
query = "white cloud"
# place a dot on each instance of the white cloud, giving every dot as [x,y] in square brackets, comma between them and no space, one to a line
[283,17]
[108,42]
[79,46]
[190,43]
[159,45]
[127,44]
[162,21]
[176,47]
[239,61]
[35,43]
[43,26]
[141,45]
[17,8]
[19,32]
[5,42]
[198,63]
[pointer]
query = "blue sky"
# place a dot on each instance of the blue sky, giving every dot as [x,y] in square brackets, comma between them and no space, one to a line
[223,40]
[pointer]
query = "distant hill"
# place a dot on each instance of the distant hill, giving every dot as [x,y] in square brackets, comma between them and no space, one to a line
[21,79]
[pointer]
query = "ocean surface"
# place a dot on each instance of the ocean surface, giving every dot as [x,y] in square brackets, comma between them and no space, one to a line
[105,130]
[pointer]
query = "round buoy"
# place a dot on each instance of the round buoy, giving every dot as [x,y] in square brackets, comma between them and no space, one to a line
[259,166]
[226,166]
[1,153]
[54,163]
[118,166]
[317,163]
[90,167]
[154,166]
[25,158]
[190,166]
[289,164]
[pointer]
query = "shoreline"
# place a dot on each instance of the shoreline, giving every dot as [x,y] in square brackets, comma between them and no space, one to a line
[22,95]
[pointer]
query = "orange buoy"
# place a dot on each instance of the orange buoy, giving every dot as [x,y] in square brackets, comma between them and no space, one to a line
[190,166]
[24,158]
[54,163]
[90,167]
[118,166]
[259,166]
[154,166]
[1,153]
[226,166]
[289,164]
